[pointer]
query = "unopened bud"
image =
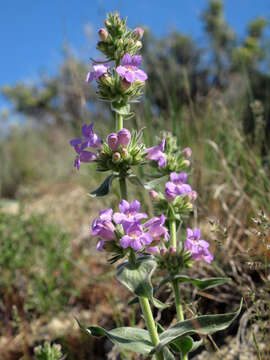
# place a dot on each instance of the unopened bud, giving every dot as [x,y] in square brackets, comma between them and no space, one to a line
[192,195]
[124,137]
[125,85]
[187,152]
[113,141]
[103,34]
[138,45]
[108,23]
[124,153]
[186,163]
[163,251]
[153,195]
[153,250]
[138,33]
[116,157]
[172,250]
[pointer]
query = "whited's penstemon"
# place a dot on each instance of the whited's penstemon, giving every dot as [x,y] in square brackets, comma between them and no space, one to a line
[146,244]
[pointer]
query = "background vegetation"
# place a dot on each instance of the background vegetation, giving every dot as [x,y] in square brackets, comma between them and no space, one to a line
[215,99]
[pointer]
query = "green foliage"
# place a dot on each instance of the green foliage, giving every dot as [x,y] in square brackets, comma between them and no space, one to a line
[33,262]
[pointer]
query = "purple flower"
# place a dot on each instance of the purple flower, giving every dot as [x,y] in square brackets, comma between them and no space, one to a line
[129,68]
[103,227]
[122,138]
[99,70]
[156,228]
[129,212]
[157,153]
[88,139]
[153,250]
[135,237]
[197,247]
[83,156]
[177,186]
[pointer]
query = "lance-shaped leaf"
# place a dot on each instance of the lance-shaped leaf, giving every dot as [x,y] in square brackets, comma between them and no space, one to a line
[105,187]
[127,338]
[206,324]
[201,284]
[137,278]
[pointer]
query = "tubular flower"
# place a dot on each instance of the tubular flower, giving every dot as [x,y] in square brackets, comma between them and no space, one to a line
[129,69]
[103,227]
[156,228]
[99,70]
[88,139]
[157,153]
[83,156]
[129,212]
[177,186]
[197,247]
[135,237]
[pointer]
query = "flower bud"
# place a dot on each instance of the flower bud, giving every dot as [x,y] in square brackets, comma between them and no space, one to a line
[163,251]
[103,34]
[192,196]
[124,153]
[153,195]
[187,152]
[124,137]
[172,250]
[113,141]
[116,157]
[138,45]
[153,250]
[186,163]
[125,85]
[138,33]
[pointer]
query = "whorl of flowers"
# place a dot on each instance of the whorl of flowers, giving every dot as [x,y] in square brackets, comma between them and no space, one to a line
[197,247]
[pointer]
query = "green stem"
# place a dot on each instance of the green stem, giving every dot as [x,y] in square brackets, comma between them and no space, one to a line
[178,303]
[150,323]
[119,122]
[123,188]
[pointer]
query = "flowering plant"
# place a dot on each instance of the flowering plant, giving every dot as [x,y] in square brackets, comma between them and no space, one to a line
[146,244]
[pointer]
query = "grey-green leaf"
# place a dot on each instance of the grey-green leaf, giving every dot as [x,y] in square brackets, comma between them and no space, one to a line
[206,324]
[137,278]
[105,187]
[127,338]
[201,284]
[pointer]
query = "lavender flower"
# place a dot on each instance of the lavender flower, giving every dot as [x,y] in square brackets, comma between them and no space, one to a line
[136,238]
[103,227]
[129,212]
[122,138]
[156,228]
[177,186]
[138,33]
[129,68]
[157,153]
[88,139]
[99,70]
[83,156]
[197,247]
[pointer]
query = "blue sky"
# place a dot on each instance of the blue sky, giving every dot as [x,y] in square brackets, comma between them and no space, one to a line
[32,32]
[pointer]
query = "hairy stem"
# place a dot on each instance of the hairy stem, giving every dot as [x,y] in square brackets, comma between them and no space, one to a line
[119,122]
[123,188]
[150,324]
[178,303]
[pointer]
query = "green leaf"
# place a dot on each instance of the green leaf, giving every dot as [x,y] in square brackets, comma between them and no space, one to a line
[153,183]
[123,110]
[127,338]
[182,345]
[105,187]
[201,284]
[206,324]
[137,278]
[167,355]
[135,180]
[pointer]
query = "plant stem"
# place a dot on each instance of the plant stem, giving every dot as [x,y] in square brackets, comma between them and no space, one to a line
[123,188]
[119,122]
[150,324]
[178,304]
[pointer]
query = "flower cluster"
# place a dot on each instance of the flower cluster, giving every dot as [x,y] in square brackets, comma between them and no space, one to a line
[126,229]
[197,247]
[88,140]
[177,186]
[122,138]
